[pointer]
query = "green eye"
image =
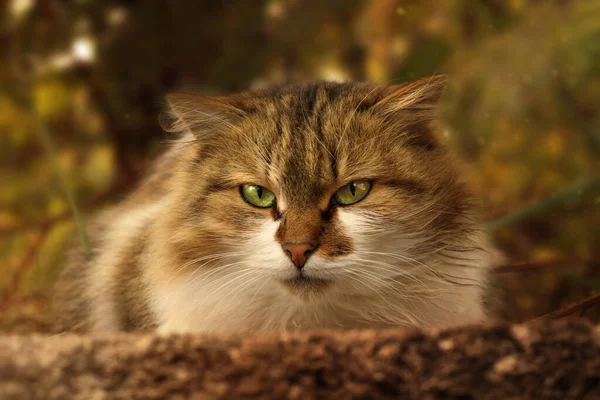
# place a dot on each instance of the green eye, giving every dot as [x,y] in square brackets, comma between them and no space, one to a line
[352,193]
[258,196]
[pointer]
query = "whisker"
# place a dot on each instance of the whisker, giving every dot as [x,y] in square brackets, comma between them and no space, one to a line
[210,257]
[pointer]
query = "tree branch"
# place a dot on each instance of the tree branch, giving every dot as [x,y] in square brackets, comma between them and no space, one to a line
[23,266]
[581,189]
[571,308]
[526,266]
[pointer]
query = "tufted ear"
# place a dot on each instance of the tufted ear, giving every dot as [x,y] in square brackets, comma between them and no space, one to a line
[411,109]
[203,116]
[417,100]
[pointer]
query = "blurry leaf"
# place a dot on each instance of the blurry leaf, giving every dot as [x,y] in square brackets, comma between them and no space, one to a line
[98,170]
[49,259]
[27,183]
[15,124]
[7,218]
[56,206]
[52,98]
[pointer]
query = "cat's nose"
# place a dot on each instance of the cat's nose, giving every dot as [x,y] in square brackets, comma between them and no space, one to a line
[298,252]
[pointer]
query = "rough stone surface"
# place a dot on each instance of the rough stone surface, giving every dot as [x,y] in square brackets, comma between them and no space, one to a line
[549,360]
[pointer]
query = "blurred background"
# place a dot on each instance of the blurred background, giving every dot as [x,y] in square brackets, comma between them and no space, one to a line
[82,83]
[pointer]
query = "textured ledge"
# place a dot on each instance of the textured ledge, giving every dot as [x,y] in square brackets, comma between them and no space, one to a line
[558,360]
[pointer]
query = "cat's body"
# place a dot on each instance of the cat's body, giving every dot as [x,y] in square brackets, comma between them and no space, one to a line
[189,250]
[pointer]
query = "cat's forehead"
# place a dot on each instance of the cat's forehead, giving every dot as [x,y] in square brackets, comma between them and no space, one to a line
[305,133]
[311,96]
[313,120]
[302,140]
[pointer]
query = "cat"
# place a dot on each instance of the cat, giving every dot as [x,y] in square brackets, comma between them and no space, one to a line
[303,206]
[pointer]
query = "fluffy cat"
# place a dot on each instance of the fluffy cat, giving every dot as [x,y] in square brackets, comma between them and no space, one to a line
[321,205]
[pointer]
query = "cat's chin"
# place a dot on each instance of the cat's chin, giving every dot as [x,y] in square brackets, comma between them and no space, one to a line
[303,285]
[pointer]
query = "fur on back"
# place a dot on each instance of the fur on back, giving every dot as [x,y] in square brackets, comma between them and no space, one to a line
[185,252]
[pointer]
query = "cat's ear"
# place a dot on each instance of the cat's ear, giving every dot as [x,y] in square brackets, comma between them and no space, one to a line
[411,110]
[203,116]
[416,101]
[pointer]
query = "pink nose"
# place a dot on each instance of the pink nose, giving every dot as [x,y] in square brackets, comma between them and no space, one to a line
[298,252]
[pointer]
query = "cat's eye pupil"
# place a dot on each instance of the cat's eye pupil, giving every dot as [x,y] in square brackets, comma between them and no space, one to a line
[353,188]
[259,192]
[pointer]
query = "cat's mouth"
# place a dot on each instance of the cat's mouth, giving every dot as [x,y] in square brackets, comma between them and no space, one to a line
[303,284]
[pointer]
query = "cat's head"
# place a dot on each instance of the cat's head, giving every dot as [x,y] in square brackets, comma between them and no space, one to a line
[319,187]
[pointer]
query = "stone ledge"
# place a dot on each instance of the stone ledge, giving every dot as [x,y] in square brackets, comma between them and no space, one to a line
[548,360]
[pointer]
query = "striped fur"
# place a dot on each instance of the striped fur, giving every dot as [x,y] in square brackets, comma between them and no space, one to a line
[185,253]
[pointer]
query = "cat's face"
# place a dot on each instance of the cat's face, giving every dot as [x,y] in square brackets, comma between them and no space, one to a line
[324,188]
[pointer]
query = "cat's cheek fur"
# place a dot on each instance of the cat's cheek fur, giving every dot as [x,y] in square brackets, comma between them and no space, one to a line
[247,295]
[444,291]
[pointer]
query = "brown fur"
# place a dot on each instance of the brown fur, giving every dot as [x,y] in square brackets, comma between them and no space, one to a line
[302,142]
